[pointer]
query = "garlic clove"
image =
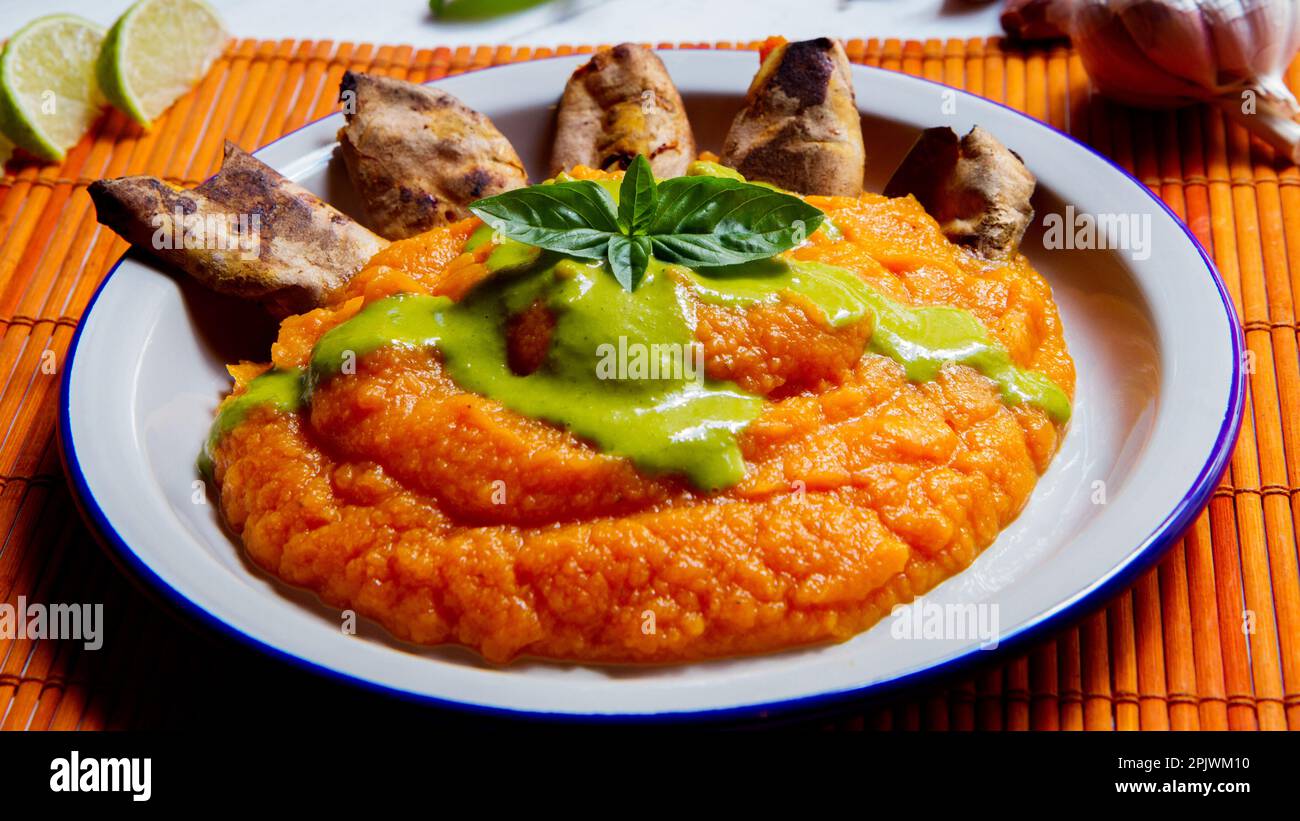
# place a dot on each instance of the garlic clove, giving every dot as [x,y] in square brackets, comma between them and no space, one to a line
[1163,53]
[1173,35]
[1118,65]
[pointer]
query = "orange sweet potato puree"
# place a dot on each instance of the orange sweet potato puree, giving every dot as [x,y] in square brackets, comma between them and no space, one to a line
[448,518]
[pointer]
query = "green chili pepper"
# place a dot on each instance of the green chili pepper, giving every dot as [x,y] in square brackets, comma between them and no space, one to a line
[478,9]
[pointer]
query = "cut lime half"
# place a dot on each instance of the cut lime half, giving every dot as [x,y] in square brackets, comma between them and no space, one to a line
[48,93]
[156,52]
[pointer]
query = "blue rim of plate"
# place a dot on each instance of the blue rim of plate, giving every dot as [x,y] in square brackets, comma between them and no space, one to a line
[1146,554]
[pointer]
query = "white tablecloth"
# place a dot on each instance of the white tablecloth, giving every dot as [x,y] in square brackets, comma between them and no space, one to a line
[566,21]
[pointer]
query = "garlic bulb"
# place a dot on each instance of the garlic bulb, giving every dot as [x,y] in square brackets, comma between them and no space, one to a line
[1162,53]
[1027,20]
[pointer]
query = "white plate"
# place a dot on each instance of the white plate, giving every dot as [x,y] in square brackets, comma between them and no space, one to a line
[1158,405]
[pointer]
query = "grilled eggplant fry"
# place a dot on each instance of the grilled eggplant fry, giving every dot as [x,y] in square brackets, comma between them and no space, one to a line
[619,104]
[247,231]
[418,156]
[976,188]
[800,128]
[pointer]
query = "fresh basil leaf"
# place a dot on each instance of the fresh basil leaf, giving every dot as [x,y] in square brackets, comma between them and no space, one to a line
[628,259]
[575,218]
[637,196]
[703,222]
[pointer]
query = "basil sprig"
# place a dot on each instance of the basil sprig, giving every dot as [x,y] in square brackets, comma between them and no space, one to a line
[700,222]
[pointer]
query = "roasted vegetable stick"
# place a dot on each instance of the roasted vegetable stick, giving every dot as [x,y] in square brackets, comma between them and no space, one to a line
[247,231]
[976,188]
[800,128]
[619,104]
[418,156]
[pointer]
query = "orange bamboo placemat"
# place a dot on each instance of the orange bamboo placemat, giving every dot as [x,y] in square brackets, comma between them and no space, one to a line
[1171,652]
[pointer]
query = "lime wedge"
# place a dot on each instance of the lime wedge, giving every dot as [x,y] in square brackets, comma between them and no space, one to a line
[157,51]
[48,93]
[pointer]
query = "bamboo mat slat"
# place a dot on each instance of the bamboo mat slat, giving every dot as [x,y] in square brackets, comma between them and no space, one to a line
[1209,639]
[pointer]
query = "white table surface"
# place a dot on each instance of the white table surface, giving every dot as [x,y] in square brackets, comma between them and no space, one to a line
[567,21]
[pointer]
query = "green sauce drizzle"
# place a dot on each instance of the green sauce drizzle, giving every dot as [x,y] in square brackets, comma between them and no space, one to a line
[623,370]
[921,339]
[282,390]
[678,421]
